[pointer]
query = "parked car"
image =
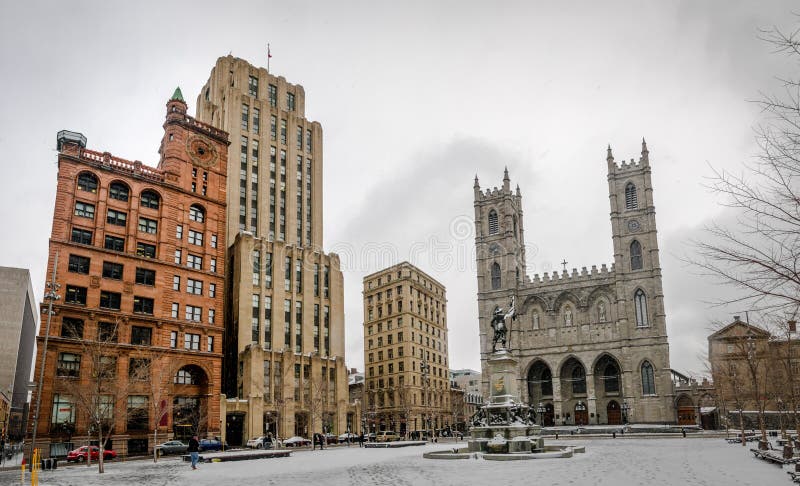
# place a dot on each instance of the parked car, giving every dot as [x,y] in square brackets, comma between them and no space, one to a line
[79,454]
[262,442]
[343,438]
[171,447]
[296,442]
[210,445]
[331,439]
[387,436]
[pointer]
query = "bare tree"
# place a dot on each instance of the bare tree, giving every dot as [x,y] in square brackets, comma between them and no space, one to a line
[785,372]
[761,254]
[405,403]
[157,371]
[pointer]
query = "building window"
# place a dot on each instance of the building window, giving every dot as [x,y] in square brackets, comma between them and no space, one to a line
[196,213]
[79,264]
[636,255]
[273,127]
[212,290]
[72,328]
[117,218]
[106,332]
[245,117]
[213,266]
[75,295]
[112,270]
[139,369]
[578,380]
[495,276]
[63,410]
[290,102]
[283,131]
[298,276]
[194,286]
[213,241]
[256,120]
[145,276]
[196,238]
[150,199]
[175,308]
[325,282]
[147,225]
[194,261]
[173,339]
[81,236]
[138,416]
[145,250]
[114,243]
[143,305]
[631,200]
[252,86]
[272,95]
[211,315]
[267,322]
[191,341]
[494,227]
[178,255]
[210,344]
[194,313]
[84,210]
[179,232]
[176,282]
[141,336]
[648,379]
[87,182]
[118,191]
[640,305]
[308,141]
[69,365]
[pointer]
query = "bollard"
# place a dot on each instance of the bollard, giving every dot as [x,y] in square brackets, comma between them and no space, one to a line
[614,435]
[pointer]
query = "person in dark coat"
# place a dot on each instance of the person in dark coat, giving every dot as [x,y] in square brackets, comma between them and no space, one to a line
[194,450]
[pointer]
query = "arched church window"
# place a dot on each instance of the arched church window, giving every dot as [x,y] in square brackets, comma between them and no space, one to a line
[494,227]
[578,380]
[640,305]
[495,276]
[648,379]
[515,225]
[636,255]
[631,200]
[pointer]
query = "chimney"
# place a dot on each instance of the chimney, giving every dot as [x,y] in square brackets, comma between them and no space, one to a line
[792,326]
[736,318]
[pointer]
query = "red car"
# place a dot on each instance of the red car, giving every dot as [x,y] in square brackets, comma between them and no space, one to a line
[79,454]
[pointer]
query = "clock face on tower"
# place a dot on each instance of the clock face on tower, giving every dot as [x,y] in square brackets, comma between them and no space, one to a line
[633,225]
[201,151]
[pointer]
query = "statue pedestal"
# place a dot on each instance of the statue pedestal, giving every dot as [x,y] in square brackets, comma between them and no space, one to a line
[503,373]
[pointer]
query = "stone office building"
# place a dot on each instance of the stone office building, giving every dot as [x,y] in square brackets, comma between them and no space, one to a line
[138,255]
[591,345]
[405,351]
[284,363]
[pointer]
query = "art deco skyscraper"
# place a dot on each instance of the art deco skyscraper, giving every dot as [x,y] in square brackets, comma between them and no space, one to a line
[286,368]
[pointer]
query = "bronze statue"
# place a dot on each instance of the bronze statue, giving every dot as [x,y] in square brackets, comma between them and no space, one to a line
[499,323]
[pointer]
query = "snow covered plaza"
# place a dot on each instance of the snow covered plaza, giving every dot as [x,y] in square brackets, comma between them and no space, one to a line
[618,462]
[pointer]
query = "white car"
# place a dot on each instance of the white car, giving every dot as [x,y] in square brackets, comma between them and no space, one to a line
[344,437]
[262,442]
[296,442]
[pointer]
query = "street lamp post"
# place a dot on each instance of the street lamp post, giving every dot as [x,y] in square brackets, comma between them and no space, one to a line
[625,409]
[541,410]
[50,295]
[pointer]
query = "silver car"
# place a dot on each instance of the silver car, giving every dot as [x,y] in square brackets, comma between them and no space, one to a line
[171,447]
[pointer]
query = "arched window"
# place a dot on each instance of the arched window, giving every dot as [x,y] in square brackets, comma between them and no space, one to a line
[578,380]
[87,182]
[185,377]
[611,378]
[150,200]
[640,304]
[648,379]
[495,276]
[118,191]
[494,228]
[196,213]
[636,255]
[631,200]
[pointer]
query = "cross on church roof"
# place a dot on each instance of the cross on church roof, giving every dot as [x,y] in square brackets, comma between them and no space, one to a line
[565,263]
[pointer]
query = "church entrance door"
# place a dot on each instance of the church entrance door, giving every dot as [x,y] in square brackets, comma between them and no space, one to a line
[613,413]
[549,415]
[581,417]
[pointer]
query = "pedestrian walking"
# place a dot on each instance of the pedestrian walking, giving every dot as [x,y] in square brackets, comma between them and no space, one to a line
[361,440]
[194,450]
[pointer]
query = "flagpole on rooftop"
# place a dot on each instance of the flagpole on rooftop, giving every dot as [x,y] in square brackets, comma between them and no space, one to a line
[269,55]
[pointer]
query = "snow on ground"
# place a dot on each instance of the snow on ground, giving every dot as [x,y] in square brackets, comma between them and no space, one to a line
[620,462]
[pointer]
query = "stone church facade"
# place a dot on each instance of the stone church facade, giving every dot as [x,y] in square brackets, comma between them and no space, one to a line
[591,344]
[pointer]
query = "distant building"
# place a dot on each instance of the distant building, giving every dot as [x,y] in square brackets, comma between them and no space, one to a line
[17,335]
[589,342]
[405,351]
[284,361]
[469,381]
[139,254]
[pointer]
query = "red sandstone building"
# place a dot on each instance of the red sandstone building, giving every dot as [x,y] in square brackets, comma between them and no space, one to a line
[139,254]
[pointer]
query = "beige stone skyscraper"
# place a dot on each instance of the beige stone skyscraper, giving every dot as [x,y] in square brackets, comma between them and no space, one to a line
[405,351]
[284,364]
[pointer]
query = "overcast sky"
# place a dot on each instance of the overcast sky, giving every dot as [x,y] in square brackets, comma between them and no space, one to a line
[415,98]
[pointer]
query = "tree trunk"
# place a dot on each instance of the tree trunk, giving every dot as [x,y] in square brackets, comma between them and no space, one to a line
[741,426]
[155,443]
[762,423]
[102,449]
